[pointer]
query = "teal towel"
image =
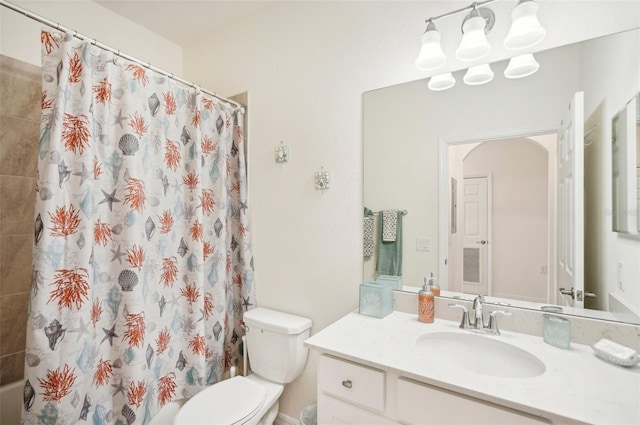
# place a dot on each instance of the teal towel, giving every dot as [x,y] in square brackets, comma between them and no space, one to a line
[390,253]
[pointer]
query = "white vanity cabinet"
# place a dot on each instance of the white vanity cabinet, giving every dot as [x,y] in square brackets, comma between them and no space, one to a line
[351,393]
[375,371]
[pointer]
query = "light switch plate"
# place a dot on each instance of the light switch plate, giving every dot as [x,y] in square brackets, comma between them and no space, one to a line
[423,245]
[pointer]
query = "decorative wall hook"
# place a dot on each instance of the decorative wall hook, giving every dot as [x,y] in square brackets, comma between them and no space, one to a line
[282,153]
[322,179]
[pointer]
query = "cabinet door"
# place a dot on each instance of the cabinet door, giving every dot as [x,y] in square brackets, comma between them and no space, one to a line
[351,382]
[422,404]
[334,411]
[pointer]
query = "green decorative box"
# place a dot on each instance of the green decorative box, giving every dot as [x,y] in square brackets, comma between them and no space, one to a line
[376,299]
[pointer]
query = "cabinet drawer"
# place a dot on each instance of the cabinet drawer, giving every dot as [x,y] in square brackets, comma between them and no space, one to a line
[332,411]
[352,382]
[423,404]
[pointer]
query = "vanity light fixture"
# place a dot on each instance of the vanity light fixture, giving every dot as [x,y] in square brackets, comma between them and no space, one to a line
[525,32]
[521,66]
[477,75]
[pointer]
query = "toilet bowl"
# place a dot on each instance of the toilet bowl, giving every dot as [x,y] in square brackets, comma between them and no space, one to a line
[275,344]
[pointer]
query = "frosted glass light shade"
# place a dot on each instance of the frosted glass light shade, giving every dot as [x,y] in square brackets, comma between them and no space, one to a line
[521,66]
[441,82]
[525,30]
[477,75]
[431,55]
[474,44]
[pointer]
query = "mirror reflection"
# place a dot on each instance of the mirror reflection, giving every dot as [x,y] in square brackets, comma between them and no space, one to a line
[625,155]
[508,187]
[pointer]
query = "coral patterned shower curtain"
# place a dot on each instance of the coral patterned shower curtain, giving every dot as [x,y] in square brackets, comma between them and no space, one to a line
[142,265]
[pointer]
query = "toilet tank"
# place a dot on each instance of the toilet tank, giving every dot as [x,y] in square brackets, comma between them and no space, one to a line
[275,343]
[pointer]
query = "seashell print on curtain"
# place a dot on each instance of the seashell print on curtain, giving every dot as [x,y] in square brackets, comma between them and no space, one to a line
[142,264]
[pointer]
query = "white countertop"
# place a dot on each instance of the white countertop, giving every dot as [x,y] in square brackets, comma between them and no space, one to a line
[576,384]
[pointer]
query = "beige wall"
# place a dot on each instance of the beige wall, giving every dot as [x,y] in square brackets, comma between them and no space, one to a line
[519,195]
[20,90]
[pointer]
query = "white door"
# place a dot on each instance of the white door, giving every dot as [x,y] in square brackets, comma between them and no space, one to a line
[475,241]
[570,218]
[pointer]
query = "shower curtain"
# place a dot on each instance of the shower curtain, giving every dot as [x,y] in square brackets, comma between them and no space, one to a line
[142,264]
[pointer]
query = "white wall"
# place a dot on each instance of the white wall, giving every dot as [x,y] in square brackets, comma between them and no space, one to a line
[609,79]
[306,65]
[20,36]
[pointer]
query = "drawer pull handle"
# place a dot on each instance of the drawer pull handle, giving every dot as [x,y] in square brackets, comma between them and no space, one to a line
[347,383]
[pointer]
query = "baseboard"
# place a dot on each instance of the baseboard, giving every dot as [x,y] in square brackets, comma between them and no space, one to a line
[283,419]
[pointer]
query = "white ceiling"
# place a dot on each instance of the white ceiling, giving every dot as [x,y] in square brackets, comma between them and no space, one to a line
[183,21]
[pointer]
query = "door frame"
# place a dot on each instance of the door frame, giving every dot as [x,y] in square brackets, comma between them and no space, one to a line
[443,194]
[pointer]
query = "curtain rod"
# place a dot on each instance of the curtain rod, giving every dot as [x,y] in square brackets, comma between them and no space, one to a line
[95,42]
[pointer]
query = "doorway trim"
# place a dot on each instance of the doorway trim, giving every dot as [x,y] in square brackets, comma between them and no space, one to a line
[443,192]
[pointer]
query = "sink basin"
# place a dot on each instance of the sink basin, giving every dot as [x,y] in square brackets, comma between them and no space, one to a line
[480,354]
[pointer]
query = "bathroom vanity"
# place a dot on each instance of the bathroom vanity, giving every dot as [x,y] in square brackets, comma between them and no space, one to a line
[398,370]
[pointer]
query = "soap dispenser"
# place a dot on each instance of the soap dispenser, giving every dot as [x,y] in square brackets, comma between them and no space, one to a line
[433,285]
[426,304]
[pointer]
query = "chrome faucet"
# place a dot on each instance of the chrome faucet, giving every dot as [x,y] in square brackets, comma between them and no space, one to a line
[478,320]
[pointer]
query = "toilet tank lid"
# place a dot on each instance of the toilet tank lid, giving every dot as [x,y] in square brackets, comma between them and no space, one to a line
[276,321]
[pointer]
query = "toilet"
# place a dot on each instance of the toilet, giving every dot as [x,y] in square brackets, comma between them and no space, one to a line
[277,355]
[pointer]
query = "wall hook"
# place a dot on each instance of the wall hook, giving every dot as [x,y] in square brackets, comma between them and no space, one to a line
[322,179]
[282,153]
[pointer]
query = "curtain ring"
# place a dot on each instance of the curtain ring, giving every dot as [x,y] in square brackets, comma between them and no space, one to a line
[95,51]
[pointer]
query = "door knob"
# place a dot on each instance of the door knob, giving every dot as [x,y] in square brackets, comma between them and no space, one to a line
[482,242]
[570,292]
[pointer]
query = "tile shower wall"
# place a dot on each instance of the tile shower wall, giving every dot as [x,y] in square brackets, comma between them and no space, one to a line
[20,94]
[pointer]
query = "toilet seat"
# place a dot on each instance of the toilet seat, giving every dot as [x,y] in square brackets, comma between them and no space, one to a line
[232,401]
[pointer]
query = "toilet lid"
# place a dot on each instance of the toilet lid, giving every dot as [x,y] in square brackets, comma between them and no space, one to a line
[231,401]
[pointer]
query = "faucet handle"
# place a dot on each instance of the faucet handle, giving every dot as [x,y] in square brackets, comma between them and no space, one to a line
[464,322]
[493,320]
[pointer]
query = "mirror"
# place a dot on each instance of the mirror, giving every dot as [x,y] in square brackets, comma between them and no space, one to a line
[408,127]
[625,155]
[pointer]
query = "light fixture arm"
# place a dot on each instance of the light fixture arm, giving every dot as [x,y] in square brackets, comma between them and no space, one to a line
[472,6]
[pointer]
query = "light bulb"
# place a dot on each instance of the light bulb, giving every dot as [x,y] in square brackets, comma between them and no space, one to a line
[474,44]
[525,30]
[431,55]
[521,66]
[476,75]
[441,82]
